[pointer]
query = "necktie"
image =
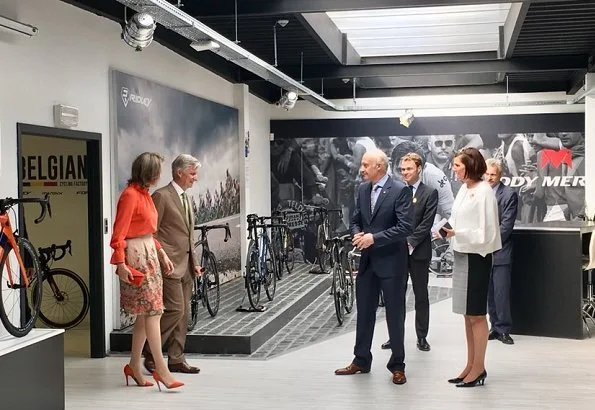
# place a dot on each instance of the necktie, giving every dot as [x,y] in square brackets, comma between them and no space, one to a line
[411,188]
[374,197]
[186,207]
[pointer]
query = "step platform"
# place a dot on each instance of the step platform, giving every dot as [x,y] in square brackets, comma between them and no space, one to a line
[241,332]
[32,370]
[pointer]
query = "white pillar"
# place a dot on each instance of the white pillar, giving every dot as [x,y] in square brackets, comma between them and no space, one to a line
[242,102]
[590,145]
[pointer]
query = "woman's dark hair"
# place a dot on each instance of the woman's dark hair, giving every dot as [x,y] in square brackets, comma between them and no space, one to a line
[475,165]
[146,168]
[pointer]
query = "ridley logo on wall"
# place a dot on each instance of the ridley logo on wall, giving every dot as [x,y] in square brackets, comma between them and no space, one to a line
[556,158]
[127,96]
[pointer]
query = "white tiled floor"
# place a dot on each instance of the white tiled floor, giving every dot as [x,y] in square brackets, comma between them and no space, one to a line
[535,373]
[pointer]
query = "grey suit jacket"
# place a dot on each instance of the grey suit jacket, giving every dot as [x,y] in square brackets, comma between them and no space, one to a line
[425,204]
[508,201]
[173,232]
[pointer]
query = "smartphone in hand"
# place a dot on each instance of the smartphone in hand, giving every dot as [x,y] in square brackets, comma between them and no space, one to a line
[442,232]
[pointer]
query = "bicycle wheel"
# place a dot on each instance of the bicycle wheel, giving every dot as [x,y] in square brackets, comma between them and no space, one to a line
[270,275]
[321,251]
[19,306]
[442,261]
[278,249]
[252,275]
[289,251]
[337,292]
[64,299]
[193,305]
[348,290]
[211,291]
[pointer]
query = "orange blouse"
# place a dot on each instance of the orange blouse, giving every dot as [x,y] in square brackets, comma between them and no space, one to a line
[135,216]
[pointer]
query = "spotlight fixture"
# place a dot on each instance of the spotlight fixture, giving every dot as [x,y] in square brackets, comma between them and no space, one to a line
[288,100]
[406,119]
[282,23]
[17,27]
[205,45]
[138,31]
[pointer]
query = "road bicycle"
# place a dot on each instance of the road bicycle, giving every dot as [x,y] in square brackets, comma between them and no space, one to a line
[64,294]
[342,285]
[283,241]
[442,260]
[261,265]
[206,288]
[323,234]
[19,264]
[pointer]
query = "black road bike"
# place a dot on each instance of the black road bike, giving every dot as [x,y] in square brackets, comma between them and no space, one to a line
[206,288]
[64,294]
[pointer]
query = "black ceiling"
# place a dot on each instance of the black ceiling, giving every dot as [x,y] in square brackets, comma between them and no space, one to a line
[552,52]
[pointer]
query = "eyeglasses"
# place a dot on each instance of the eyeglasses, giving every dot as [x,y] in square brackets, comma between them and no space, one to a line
[440,143]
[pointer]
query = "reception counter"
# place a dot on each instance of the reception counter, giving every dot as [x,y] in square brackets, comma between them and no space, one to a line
[547,278]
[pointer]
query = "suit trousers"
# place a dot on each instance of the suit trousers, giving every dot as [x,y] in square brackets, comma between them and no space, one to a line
[499,299]
[418,270]
[174,321]
[367,290]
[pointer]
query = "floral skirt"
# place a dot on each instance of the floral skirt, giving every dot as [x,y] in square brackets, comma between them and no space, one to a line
[146,299]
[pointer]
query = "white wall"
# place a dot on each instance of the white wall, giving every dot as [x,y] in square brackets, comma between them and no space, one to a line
[68,62]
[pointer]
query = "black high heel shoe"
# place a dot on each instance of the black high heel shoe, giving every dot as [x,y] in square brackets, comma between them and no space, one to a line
[480,381]
[456,380]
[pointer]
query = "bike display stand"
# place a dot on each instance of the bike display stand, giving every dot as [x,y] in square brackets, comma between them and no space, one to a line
[249,308]
[316,270]
[33,366]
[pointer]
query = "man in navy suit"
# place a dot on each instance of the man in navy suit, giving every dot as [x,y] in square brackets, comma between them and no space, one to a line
[425,203]
[499,290]
[381,222]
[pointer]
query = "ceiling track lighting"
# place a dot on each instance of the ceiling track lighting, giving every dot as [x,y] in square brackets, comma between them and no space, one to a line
[17,27]
[288,100]
[205,45]
[138,31]
[407,119]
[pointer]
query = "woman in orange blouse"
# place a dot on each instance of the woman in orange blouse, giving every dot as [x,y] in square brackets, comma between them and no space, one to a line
[135,250]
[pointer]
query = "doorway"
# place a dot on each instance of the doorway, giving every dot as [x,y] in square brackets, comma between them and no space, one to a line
[66,164]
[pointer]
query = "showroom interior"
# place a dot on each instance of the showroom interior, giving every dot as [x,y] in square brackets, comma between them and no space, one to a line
[247,86]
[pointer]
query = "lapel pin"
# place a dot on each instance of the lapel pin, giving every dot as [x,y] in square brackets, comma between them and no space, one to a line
[414,200]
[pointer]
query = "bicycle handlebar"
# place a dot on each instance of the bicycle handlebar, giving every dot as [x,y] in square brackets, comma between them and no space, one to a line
[44,202]
[206,228]
[49,253]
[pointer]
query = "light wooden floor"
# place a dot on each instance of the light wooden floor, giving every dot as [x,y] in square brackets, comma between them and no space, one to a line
[535,373]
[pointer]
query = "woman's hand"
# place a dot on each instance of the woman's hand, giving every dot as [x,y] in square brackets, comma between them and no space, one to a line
[449,232]
[166,263]
[124,273]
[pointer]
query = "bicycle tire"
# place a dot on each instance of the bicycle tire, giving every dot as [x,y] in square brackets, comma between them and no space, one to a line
[278,249]
[193,306]
[348,281]
[289,251]
[77,281]
[442,261]
[321,252]
[252,280]
[211,286]
[31,262]
[270,278]
[337,297]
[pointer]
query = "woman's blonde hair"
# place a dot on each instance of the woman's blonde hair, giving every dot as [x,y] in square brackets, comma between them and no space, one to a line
[146,169]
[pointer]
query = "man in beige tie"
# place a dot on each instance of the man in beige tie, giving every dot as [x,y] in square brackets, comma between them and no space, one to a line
[175,233]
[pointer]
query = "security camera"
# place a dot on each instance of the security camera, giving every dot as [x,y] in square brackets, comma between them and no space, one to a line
[283,22]
[406,119]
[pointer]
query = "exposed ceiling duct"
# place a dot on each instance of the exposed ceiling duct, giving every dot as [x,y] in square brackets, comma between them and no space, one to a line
[173,18]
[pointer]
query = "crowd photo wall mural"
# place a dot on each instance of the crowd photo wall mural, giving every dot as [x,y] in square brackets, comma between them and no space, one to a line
[316,162]
[147,116]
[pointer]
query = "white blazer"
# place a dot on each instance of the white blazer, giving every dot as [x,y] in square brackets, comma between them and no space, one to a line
[475,221]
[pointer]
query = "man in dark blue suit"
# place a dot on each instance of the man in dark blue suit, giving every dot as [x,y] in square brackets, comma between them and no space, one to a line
[381,222]
[499,290]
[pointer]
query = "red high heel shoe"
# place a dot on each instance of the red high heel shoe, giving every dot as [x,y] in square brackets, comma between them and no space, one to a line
[129,373]
[174,385]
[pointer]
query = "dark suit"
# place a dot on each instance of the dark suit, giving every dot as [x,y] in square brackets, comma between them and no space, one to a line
[382,266]
[499,290]
[425,204]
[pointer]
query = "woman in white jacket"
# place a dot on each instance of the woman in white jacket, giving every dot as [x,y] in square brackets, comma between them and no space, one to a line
[475,233]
